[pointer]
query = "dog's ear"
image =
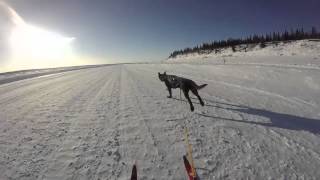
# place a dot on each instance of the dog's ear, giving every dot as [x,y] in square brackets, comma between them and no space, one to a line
[165,73]
[158,73]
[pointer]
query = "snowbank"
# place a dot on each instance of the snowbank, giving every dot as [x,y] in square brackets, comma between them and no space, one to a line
[302,52]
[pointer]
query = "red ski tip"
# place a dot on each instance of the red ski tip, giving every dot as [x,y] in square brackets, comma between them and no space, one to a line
[192,175]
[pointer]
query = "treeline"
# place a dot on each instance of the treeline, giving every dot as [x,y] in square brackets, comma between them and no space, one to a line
[297,34]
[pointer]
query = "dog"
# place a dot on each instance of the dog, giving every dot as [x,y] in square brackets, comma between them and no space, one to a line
[186,85]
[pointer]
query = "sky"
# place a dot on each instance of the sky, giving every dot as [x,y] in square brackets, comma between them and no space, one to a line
[112,31]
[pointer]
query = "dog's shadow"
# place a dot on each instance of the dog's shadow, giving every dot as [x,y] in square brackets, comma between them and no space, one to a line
[279,120]
[193,102]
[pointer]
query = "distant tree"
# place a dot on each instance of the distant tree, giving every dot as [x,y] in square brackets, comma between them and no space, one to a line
[233,48]
[314,32]
[262,45]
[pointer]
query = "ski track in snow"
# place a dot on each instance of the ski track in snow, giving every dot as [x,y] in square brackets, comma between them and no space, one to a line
[95,123]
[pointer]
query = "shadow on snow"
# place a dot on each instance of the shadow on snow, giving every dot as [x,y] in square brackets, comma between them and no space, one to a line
[279,120]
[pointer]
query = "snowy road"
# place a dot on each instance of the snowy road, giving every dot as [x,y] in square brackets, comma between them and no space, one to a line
[258,123]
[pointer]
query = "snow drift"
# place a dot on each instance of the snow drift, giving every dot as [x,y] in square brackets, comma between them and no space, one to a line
[301,52]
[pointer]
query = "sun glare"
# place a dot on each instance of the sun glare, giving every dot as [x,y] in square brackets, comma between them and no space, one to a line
[31,46]
[39,47]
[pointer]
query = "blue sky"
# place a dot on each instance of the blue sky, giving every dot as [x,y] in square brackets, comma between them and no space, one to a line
[149,30]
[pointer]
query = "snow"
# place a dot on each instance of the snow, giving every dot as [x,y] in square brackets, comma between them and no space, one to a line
[260,121]
[302,53]
[7,77]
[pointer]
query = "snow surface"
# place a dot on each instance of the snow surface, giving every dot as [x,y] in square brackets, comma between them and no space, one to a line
[260,121]
[7,77]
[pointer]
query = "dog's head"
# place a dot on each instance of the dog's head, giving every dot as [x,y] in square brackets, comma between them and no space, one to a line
[163,76]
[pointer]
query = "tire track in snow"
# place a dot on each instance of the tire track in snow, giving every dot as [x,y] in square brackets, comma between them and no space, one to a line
[85,146]
[51,131]
[110,158]
[142,116]
[93,146]
[20,90]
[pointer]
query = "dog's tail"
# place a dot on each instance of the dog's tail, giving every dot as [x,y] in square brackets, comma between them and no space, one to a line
[201,86]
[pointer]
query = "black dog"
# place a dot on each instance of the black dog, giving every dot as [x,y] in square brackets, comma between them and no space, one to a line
[173,82]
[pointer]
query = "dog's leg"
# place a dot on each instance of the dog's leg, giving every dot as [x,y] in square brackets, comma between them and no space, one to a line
[195,92]
[170,93]
[186,94]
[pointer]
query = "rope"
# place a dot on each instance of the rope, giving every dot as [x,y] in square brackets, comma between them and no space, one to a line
[180,96]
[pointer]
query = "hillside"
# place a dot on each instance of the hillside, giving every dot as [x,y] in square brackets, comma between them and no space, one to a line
[300,52]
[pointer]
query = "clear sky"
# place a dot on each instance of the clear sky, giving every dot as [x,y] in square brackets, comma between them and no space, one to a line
[149,30]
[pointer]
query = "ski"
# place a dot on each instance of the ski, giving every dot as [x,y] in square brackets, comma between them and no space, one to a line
[189,166]
[134,175]
[190,170]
